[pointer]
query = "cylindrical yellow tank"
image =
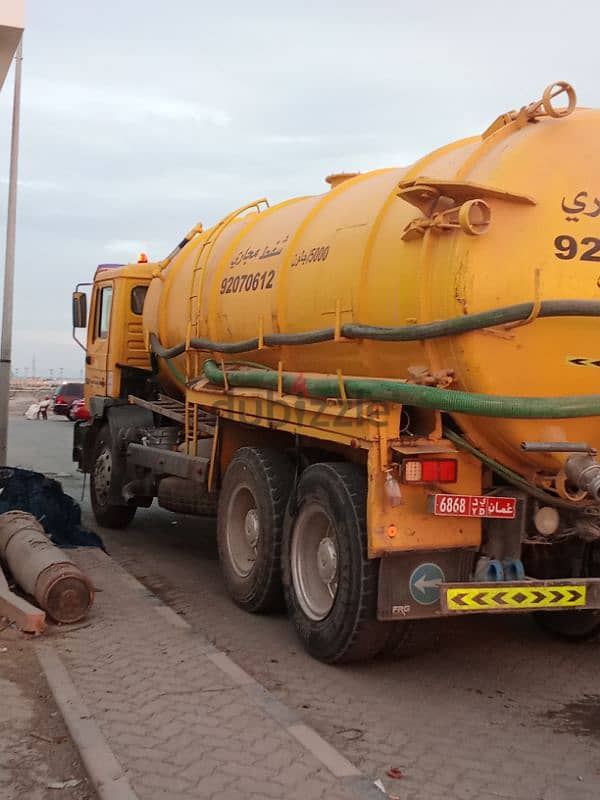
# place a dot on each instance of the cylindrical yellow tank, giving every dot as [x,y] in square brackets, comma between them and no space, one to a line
[352,255]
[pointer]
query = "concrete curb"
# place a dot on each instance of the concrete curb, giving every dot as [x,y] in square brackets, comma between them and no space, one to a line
[101,765]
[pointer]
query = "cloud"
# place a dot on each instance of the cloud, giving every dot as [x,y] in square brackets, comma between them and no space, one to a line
[180,111]
[288,139]
[128,249]
[31,184]
[73,100]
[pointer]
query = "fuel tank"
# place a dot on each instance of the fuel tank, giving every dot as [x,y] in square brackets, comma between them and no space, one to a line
[506,217]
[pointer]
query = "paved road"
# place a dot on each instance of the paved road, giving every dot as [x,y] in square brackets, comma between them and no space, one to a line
[496,711]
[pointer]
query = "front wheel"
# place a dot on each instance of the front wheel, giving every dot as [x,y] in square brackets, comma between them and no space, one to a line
[330,585]
[107,514]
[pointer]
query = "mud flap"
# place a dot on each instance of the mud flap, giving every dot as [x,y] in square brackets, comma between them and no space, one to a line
[409,583]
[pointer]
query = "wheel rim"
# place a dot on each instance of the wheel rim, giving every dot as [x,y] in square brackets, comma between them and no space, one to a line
[243,531]
[314,561]
[102,476]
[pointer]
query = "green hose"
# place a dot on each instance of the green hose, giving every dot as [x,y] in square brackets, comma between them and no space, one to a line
[455,326]
[380,390]
[509,476]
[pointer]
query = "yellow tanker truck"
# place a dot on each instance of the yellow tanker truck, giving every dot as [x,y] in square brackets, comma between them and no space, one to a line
[388,393]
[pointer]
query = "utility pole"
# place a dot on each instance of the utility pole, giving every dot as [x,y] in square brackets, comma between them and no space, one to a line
[9,264]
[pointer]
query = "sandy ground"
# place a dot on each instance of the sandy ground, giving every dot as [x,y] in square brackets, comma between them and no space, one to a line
[35,749]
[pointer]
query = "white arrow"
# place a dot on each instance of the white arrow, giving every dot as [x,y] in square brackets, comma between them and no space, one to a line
[422,584]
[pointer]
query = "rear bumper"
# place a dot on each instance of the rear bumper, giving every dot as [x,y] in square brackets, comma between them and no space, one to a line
[431,584]
[520,596]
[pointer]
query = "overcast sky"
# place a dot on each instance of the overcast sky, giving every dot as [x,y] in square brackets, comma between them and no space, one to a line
[142,117]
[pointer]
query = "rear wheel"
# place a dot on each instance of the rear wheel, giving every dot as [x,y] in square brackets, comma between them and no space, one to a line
[252,505]
[330,585]
[572,625]
[103,473]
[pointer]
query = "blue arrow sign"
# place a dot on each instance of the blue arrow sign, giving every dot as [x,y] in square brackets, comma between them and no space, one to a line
[424,584]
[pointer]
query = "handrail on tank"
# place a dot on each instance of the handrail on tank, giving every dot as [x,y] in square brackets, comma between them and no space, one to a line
[187,238]
[161,265]
[204,253]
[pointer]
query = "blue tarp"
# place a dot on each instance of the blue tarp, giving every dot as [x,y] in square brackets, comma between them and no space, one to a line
[60,515]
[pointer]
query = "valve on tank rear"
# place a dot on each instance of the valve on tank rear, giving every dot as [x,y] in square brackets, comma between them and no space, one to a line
[584,471]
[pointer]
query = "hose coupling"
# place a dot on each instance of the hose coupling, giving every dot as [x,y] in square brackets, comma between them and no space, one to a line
[584,472]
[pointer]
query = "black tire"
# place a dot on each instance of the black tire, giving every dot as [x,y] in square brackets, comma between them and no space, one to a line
[349,630]
[106,513]
[412,638]
[252,502]
[574,626]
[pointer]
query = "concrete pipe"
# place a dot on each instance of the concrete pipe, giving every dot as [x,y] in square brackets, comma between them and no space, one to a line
[42,570]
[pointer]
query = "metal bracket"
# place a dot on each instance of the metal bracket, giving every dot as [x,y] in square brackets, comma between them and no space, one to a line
[539,108]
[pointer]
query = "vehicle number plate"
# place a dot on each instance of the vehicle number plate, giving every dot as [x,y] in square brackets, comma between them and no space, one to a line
[464,505]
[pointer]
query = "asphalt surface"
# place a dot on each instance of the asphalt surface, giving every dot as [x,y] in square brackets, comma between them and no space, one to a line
[497,709]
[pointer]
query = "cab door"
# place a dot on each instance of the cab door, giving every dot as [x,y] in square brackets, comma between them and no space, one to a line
[96,382]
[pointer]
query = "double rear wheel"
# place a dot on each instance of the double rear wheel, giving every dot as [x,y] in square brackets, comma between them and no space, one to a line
[330,585]
[252,505]
[307,543]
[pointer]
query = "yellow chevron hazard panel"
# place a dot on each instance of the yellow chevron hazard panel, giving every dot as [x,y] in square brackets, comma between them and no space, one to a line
[514,597]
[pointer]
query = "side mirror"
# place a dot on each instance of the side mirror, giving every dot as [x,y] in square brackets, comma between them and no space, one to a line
[79,310]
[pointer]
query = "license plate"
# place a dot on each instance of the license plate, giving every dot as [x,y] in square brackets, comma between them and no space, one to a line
[465,505]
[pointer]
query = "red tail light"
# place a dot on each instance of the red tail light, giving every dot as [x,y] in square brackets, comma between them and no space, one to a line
[60,399]
[430,470]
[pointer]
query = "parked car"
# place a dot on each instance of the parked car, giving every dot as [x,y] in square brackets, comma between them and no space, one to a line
[78,411]
[65,395]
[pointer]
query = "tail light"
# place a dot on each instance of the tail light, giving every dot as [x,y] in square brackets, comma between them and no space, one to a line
[60,399]
[429,470]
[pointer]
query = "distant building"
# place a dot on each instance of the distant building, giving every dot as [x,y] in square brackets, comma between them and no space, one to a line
[12,23]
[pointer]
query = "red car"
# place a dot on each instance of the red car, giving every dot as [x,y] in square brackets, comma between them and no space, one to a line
[65,396]
[78,411]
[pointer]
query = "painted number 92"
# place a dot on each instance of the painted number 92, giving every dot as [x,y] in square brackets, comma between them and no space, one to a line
[567,248]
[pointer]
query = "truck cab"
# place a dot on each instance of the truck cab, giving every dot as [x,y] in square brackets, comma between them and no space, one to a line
[117,361]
